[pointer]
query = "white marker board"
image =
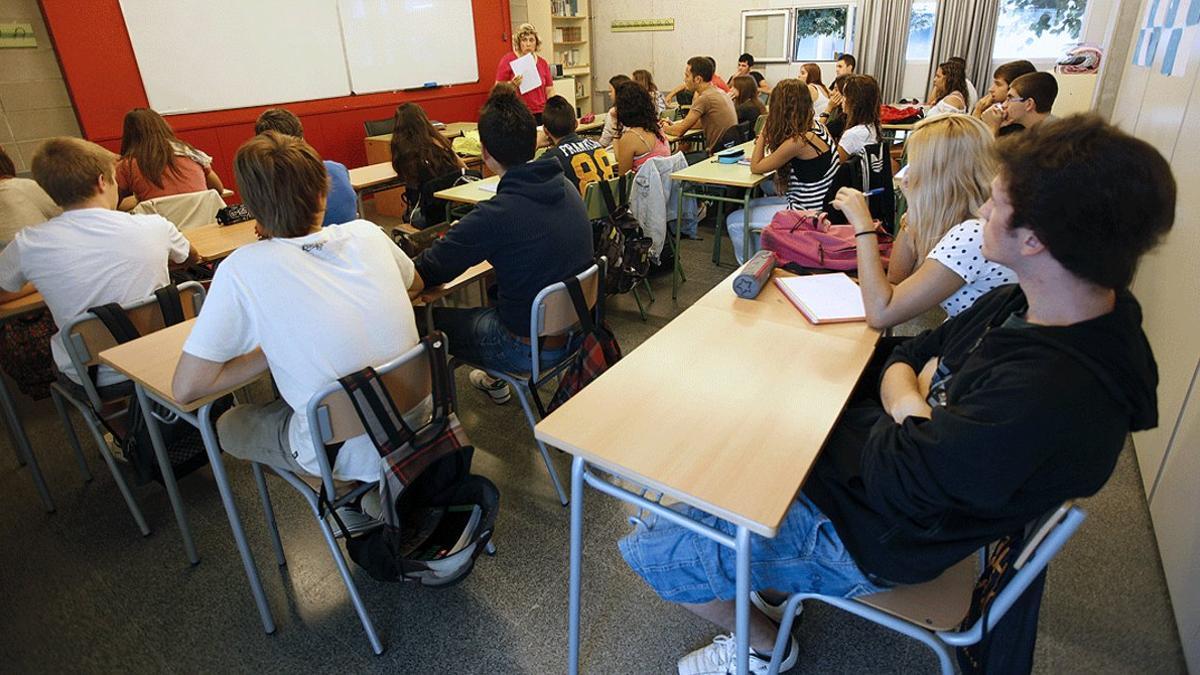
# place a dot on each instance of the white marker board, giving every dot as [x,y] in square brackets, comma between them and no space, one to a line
[400,44]
[197,55]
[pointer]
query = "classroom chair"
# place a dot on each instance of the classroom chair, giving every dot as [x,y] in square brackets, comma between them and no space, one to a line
[187,210]
[379,127]
[759,123]
[331,421]
[85,337]
[552,313]
[597,207]
[933,611]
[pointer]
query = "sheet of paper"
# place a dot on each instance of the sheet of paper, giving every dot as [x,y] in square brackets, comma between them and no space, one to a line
[489,187]
[526,67]
[824,298]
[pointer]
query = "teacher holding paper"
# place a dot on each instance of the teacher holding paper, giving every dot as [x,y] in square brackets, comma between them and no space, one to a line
[528,72]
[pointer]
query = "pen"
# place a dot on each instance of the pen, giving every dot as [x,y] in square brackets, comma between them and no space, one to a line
[872,193]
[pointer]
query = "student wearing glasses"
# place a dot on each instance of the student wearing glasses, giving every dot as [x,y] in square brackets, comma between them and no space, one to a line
[1028,103]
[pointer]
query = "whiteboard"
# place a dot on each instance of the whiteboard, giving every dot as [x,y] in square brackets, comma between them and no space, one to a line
[401,44]
[197,55]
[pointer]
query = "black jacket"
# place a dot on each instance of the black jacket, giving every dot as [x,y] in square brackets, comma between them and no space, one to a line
[534,232]
[1033,416]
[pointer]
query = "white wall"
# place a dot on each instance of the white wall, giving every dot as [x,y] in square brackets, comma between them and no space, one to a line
[1165,111]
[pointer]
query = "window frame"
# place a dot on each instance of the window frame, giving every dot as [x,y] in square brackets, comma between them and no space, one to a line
[849,37]
[788,32]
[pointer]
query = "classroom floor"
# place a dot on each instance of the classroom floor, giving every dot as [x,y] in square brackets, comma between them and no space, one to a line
[83,592]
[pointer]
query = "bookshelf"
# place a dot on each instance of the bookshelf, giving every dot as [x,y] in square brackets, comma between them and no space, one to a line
[565,27]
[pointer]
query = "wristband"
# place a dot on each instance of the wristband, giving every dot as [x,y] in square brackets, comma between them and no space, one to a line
[859,234]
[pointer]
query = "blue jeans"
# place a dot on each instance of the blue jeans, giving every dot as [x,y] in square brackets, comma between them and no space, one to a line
[477,336]
[807,555]
[762,210]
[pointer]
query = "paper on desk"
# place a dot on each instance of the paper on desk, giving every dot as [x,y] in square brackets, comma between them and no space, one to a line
[489,187]
[526,67]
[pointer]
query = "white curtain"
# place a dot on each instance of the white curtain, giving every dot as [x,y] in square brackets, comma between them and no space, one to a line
[884,43]
[966,28]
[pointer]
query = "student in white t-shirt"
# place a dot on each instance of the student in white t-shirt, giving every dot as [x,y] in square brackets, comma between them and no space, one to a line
[310,304]
[91,254]
[937,257]
[22,202]
[861,105]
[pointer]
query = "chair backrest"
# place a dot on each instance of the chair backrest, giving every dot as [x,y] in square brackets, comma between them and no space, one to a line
[331,415]
[593,199]
[432,208]
[735,135]
[190,209]
[378,127]
[86,336]
[1048,535]
[553,313]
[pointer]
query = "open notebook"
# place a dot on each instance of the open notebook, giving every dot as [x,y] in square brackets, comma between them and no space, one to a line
[824,298]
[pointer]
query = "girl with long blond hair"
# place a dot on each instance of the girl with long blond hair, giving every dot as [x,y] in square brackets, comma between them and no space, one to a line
[155,163]
[937,258]
[799,150]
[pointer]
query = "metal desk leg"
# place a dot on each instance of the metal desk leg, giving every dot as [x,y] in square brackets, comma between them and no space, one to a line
[677,273]
[742,623]
[168,474]
[746,227]
[576,565]
[21,444]
[239,536]
[358,203]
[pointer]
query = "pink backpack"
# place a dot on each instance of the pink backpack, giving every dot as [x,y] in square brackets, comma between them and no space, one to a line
[809,240]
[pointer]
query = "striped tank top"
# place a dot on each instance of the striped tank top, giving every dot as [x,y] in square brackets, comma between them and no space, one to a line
[809,179]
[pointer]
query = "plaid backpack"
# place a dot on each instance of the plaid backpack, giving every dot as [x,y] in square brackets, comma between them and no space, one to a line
[438,517]
[599,352]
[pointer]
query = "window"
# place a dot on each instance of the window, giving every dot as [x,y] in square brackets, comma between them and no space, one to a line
[1038,29]
[920,30]
[765,35]
[823,33]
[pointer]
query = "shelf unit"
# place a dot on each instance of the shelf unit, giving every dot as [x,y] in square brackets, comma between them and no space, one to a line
[575,54]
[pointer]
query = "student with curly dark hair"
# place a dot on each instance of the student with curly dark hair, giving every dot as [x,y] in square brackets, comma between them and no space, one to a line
[642,138]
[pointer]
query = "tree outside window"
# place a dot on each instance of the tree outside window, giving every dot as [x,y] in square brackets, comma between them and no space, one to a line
[1038,29]
[822,33]
[920,30]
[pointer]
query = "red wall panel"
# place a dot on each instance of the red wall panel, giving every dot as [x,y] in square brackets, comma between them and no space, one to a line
[102,76]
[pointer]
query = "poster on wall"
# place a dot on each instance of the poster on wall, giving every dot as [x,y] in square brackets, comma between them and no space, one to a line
[1169,32]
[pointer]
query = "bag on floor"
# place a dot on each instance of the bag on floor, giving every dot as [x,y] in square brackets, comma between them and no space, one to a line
[438,516]
[620,239]
[184,445]
[25,352]
[807,239]
[598,353]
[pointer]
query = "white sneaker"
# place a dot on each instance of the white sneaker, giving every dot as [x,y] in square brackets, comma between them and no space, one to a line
[773,612]
[720,658]
[496,388]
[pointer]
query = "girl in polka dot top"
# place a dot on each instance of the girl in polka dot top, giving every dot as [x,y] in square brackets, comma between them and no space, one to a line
[937,258]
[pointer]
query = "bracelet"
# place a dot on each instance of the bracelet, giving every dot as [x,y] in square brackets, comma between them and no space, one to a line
[859,234]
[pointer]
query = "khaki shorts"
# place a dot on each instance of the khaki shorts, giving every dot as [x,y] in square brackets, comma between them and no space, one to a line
[259,433]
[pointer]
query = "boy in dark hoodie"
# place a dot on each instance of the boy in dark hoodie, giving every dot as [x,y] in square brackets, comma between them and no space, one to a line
[980,426]
[534,232]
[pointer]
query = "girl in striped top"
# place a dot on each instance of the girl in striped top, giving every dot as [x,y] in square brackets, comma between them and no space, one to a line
[801,153]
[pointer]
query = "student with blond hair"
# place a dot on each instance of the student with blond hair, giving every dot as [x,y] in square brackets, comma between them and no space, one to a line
[308,303]
[155,163]
[937,258]
[526,41]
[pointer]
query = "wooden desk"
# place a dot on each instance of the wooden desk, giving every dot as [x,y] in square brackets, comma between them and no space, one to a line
[22,305]
[149,361]
[745,428]
[588,127]
[226,193]
[712,172]
[215,241]
[469,193]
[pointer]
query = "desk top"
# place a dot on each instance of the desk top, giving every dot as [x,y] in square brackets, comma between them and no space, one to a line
[725,408]
[214,241]
[371,175]
[452,130]
[469,193]
[151,360]
[22,305]
[597,123]
[473,274]
[712,172]
[899,127]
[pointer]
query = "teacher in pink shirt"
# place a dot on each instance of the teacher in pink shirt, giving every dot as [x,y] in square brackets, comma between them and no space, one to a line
[526,41]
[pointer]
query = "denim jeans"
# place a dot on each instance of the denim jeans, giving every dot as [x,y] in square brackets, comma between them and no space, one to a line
[477,336]
[807,555]
[762,210]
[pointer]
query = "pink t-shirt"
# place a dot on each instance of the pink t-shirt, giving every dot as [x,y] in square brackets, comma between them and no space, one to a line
[186,174]
[534,98]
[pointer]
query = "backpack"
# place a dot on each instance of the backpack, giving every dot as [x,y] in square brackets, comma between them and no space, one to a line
[618,237]
[872,169]
[807,239]
[598,353]
[438,517]
[890,114]
[25,352]
[183,442]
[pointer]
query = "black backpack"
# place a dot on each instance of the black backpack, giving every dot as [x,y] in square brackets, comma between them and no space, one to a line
[183,442]
[618,237]
[438,516]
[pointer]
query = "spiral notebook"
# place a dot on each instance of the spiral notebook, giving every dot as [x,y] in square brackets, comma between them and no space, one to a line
[824,298]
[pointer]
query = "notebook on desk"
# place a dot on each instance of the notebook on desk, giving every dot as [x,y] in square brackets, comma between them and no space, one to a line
[824,298]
